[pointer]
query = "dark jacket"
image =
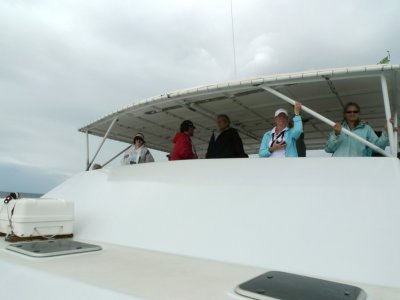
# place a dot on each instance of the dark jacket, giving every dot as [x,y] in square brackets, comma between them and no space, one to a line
[301,146]
[227,145]
[183,148]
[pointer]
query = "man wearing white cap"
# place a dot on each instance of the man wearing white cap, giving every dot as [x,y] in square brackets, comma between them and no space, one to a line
[137,153]
[281,140]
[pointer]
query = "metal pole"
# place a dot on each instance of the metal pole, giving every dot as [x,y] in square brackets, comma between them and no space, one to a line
[326,120]
[233,43]
[115,156]
[102,142]
[87,149]
[389,125]
[396,110]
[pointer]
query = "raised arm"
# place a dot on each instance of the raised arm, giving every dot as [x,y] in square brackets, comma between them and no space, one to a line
[297,127]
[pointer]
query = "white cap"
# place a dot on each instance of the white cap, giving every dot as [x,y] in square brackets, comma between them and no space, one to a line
[280,111]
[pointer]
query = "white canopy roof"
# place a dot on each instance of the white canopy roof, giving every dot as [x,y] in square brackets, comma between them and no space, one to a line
[251,108]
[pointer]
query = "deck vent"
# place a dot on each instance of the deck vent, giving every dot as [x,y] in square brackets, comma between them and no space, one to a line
[52,248]
[287,286]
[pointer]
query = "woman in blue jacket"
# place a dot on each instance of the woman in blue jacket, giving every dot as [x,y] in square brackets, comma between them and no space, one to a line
[281,140]
[342,145]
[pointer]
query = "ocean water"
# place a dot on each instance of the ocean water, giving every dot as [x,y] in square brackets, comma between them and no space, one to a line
[4,194]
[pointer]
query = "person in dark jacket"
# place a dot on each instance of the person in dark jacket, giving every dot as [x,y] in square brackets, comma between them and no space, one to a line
[183,148]
[300,144]
[226,143]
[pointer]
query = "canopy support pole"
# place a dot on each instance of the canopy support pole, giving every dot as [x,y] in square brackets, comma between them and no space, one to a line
[115,156]
[102,142]
[389,125]
[87,149]
[325,120]
[396,111]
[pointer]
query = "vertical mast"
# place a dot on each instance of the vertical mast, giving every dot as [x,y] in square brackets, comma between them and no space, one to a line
[233,43]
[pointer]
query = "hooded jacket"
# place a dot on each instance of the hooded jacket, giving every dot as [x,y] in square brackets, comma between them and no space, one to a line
[183,148]
[291,135]
[343,145]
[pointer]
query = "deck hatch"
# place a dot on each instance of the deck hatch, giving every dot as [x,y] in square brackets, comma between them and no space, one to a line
[52,248]
[287,286]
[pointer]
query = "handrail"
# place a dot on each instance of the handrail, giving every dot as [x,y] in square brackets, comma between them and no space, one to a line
[115,156]
[102,142]
[395,111]
[87,150]
[326,120]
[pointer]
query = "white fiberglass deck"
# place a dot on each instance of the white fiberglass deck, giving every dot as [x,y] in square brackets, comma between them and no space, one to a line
[223,222]
[119,272]
[326,217]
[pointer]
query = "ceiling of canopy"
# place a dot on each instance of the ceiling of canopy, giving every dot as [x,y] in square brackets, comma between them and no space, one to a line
[251,108]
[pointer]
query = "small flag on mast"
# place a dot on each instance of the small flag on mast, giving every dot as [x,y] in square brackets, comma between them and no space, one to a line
[385,60]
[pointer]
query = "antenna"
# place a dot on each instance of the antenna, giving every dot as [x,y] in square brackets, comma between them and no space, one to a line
[233,43]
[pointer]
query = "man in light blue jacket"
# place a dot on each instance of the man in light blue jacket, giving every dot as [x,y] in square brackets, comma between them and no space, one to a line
[340,144]
[281,140]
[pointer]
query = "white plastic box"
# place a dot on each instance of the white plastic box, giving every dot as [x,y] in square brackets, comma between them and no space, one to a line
[37,217]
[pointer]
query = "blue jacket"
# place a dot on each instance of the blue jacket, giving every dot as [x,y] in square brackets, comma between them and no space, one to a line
[290,136]
[343,145]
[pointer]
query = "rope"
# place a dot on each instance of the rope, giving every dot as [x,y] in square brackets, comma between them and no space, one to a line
[9,219]
[49,237]
[7,200]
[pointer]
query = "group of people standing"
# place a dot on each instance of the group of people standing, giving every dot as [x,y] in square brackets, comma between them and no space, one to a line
[284,140]
[224,143]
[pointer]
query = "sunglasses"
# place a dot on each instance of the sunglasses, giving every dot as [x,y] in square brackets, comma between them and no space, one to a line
[352,112]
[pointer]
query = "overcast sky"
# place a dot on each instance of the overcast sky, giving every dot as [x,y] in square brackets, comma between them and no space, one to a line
[65,63]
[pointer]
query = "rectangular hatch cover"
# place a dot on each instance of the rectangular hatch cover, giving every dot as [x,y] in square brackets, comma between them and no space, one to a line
[52,248]
[287,286]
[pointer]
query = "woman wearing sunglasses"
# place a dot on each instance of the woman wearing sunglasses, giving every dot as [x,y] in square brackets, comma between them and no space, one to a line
[342,145]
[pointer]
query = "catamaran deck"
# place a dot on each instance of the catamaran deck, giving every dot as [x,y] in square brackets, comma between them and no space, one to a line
[120,272]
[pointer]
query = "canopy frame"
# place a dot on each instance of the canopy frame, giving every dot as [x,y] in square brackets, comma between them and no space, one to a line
[197,101]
